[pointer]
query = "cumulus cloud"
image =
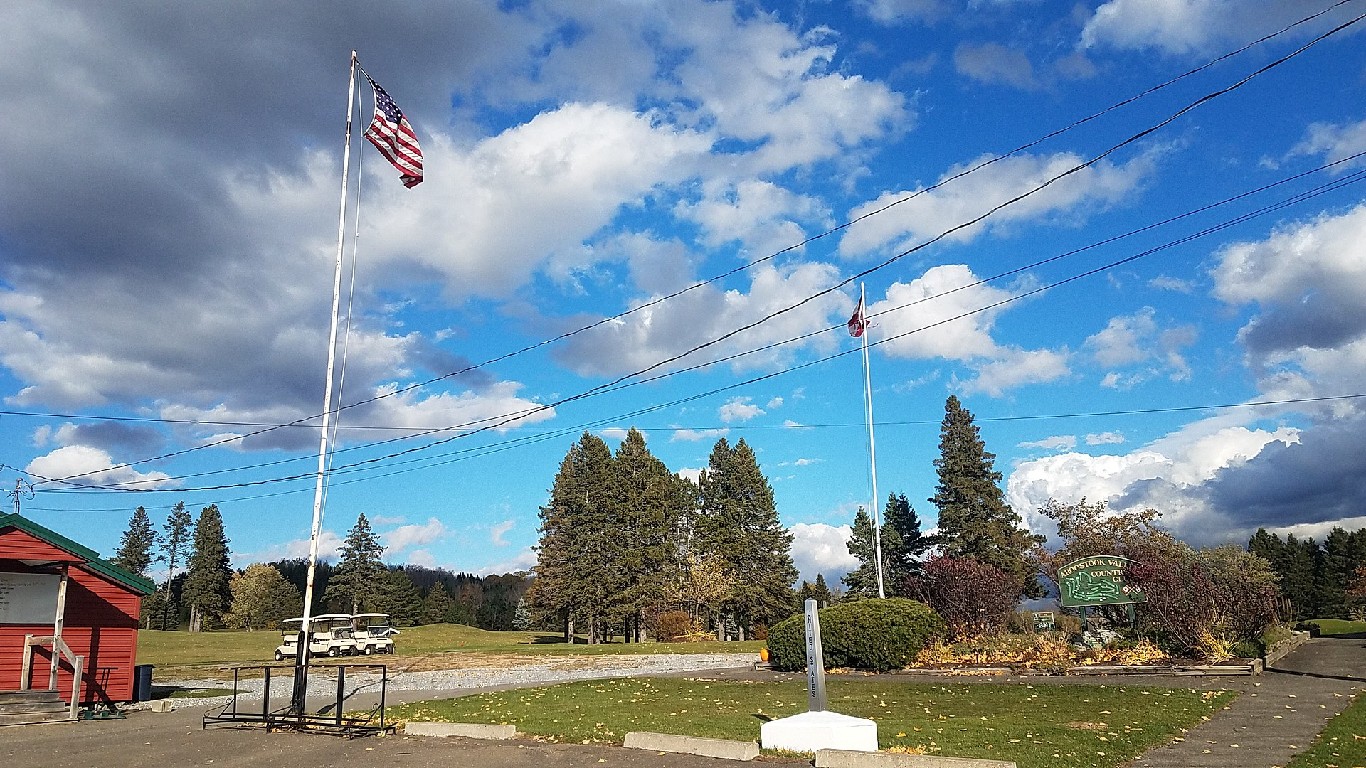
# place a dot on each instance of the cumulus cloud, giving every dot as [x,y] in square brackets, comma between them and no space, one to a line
[1186,27]
[499,530]
[695,435]
[86,465]
[405,536]
[739,409]
[818,548]
[1138,340]
[1055,443]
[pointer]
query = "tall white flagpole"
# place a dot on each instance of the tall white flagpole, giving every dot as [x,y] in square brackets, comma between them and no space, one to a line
[872,449]
[325,436]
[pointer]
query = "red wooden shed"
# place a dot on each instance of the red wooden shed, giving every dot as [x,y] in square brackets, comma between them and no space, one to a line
[62,606]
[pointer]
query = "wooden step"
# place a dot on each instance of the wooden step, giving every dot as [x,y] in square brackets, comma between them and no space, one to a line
[25,707]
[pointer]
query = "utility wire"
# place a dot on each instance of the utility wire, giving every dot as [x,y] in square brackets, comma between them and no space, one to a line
[304,421]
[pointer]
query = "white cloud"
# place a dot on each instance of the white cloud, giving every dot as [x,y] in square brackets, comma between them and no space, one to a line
[820,548]
[930,302]
[1057,442]
[1138,339]
[1016,368]
[930,214]
[739,409]
[897,11]
[692,473]
[524,560]
[613,433]
[1184,27]
[1104,438]
[499,530]
[94,467]
[405,536]
[1335,142]
[694,435]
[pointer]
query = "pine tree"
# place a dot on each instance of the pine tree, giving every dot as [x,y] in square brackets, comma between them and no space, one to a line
[397,595]
[738,523]
[649,501]
[974,519]
[177,533]
[862,544]
[356,581]
[909,546]
[438,607]
[574,574]
[208,583]
[135,548]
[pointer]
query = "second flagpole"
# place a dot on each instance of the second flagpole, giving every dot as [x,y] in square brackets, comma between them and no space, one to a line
[872,447]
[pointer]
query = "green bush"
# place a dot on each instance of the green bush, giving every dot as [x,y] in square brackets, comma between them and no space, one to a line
[868,634]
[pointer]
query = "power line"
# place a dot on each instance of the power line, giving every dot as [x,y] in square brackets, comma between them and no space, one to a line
[1118,105]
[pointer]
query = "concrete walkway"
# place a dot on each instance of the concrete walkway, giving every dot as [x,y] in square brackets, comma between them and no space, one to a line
[1277,714]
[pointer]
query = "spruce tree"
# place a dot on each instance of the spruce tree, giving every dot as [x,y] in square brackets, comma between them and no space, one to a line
[438,607]
[575,578]
[974,519]
[208,588]
[908,547]
[135,548]
[356,582]
[862,581]
[738,523]
[649,502]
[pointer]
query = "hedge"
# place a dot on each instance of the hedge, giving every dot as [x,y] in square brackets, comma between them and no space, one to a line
[875,634]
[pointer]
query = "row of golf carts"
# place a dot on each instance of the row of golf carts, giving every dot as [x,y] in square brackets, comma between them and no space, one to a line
[338,634]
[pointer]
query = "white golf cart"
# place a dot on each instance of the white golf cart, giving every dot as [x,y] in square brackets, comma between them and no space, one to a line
[372,633]
[329,635]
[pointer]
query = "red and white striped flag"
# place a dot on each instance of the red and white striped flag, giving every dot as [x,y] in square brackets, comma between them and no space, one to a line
[394,137]
[858,323]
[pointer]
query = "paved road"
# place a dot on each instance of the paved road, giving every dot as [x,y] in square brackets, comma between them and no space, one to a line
[1278,714]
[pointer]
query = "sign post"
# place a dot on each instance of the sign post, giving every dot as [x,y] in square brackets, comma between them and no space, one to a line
[816,700]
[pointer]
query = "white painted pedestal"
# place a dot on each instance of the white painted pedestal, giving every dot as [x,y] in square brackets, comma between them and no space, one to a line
[811,731]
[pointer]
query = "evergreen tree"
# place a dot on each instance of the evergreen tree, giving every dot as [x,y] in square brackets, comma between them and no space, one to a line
[649,501]
[575,578]
[521,619]
[818,591]
[356,581]
[974,519]
[908,547]
[396,595]
[438,606]
[738,523]
[862,581]
[135,548]
[208,582]
[175,540]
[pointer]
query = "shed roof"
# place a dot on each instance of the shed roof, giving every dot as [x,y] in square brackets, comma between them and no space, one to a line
[132,581]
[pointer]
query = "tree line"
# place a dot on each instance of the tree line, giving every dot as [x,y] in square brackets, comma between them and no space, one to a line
[202,591]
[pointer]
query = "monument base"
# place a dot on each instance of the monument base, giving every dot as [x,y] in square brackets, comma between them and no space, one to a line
[811,731]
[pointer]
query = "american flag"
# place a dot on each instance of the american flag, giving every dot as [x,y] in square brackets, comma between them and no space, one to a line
[394,137]
[858,323]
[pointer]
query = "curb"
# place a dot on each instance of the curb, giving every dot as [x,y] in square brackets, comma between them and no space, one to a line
[692,745]
[1285,647]
[839,758]
[466,730]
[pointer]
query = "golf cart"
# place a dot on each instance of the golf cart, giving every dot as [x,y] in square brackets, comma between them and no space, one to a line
[330,635]
[372,633]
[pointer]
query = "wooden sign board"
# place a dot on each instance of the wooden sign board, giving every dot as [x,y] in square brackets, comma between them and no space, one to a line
[1097,580]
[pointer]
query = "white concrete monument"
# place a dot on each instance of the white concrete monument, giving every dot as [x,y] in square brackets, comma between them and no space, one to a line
[818,728]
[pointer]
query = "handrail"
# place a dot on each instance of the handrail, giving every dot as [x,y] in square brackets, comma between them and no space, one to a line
[62,650]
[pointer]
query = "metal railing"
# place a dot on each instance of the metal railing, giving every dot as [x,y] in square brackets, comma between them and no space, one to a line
[321,712]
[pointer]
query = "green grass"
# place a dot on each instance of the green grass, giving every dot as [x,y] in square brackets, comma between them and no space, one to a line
[1045,725]
[1342,743]
[1338,627]
[213,649]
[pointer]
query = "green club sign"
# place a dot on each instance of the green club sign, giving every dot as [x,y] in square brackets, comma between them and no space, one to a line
[1097,580]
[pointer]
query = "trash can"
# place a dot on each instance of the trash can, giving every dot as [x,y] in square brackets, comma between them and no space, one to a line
[142,682]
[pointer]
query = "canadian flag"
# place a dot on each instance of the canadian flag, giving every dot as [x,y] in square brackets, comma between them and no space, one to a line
[858,323]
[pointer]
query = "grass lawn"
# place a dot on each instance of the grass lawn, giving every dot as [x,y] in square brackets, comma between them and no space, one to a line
[1342,743]
[1339,627]
[215,649]
[1033,725]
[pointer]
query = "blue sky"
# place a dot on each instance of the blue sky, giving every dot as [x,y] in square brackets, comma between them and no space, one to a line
[1128,235]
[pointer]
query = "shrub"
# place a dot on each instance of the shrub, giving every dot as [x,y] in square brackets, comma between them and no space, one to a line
[1180,612]
[674,626]
[973,598]
[871,634]
[1245,592]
